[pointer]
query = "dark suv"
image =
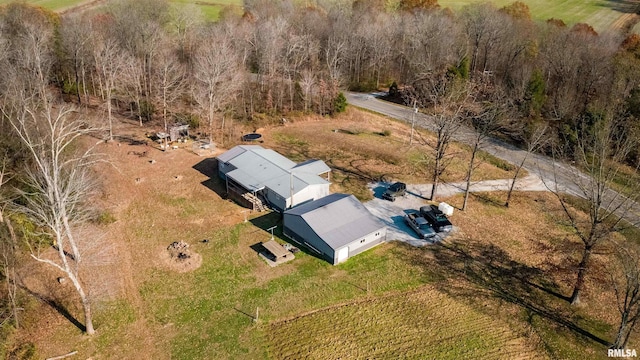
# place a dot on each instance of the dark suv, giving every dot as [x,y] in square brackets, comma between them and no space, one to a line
[436,218]
[395,190]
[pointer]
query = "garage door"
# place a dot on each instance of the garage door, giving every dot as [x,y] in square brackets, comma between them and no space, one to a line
[343,254]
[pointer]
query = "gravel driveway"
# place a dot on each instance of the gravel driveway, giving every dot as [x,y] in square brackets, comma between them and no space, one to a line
[392,213]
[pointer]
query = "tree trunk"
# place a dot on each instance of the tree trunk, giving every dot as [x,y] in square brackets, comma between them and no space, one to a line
[618,343]
[582,271]
[513,181]
[469,173]
[434,186]
[109,116]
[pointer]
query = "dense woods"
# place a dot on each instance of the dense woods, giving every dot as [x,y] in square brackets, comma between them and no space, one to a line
[153,60]
[549,84]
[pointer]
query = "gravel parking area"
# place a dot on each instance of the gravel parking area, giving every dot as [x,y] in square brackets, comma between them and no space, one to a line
[392,214]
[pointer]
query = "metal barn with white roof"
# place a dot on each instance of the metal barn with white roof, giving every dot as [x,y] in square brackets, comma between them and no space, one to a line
[257,174]
[335,227]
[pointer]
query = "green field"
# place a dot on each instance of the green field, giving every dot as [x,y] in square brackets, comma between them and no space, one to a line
[51,4]
[210,9]
[601,14]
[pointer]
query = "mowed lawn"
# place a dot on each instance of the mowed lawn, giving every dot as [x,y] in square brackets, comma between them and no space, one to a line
[51,4]
[600,14]
[210,9]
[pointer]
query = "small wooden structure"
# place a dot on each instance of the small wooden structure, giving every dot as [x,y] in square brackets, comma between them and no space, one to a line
[277,251]
[177,131]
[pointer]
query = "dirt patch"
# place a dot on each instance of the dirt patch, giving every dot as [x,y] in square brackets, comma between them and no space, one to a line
[178,256]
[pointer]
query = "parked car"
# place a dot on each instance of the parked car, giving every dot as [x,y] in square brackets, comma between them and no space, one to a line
[436,218]
[395,190]
[420,225]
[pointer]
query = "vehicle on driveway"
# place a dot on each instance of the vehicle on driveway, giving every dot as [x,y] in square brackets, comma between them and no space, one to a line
[420,225]
[436,218]
[396,189]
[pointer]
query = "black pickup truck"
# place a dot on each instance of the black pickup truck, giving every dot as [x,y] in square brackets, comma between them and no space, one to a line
[436,218]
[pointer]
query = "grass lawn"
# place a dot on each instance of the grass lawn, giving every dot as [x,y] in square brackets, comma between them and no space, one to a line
[51,4]
[212,9]
[363,147]
[465,299]
[600,14]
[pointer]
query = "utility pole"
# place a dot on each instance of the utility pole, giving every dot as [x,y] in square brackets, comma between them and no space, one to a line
[413,121]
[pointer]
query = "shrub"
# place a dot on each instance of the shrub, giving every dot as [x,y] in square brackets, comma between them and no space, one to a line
[146,110]
[340,103]
[190,119]
[105,218]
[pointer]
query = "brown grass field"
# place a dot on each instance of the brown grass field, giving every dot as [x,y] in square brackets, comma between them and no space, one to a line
[493,290]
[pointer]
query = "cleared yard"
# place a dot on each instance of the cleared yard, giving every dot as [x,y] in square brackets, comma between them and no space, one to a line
[461,299]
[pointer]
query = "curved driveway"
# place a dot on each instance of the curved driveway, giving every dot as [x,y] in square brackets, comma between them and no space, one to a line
[551,172]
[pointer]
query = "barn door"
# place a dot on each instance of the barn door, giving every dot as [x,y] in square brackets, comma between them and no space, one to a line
[343,254]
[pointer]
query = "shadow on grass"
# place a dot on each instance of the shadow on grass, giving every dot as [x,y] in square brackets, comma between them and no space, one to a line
[209,167]
[487,199]
[57,306]
[494,275]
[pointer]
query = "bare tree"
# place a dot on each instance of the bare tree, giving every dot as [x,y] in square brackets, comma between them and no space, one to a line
[58,186]
[76,37]
[626,284]
[184,19]
[132,80]
[30,51]
[8,246]
[169,81]
[534,140]
[600,149]
[217,74]
[447,117]
[109,63]
[484,125]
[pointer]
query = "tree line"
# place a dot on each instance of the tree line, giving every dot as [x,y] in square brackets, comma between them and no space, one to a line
[495,70]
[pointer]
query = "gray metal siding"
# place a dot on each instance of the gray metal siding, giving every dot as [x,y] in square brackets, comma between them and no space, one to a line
[296,228]
[356,247]
[276,200]
[224,168]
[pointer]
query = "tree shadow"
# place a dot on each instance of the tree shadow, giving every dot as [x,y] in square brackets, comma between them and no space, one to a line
[56,305]
[493,274]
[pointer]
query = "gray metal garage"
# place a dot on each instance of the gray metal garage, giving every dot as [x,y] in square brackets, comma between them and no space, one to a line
[258,174]
[335,227]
